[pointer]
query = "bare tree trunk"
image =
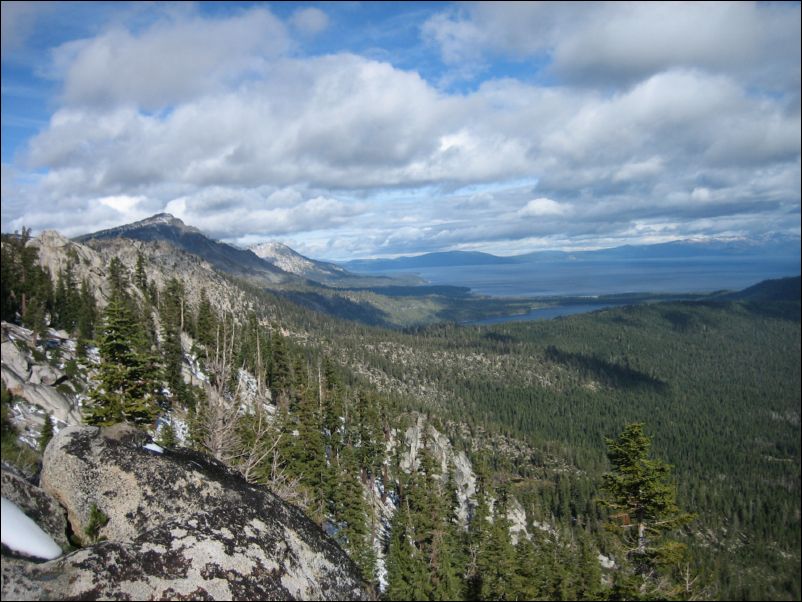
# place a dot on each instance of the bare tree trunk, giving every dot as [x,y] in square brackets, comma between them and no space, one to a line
[641,538]
[222,406]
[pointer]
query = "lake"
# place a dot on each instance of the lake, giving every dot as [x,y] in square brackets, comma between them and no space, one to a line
[546,313]
[610,276]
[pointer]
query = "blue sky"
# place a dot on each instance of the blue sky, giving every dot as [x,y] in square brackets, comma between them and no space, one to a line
[350,129]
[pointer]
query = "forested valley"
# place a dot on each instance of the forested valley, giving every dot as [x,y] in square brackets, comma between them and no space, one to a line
[541,410]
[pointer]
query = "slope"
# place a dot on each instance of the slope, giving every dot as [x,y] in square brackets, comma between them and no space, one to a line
[165,227]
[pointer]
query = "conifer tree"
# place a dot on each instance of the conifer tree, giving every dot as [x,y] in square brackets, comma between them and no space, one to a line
[34,316]
[496,557]
[369,435]
[333,410]
[308,456]
[172,352]
[529,581]
[118,278]
[167,436]
[205,322]
[67,300]
[129,387]
[280,374]
[477,531]
[352,514]
[407,573]
[87,314]
[140,278]
[642,499]
[47,433]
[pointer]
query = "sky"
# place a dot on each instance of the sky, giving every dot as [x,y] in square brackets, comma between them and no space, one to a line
[351,130]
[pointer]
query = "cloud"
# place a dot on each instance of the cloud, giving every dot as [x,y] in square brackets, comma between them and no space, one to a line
[170,61]
[337,125]
[309,21]
[620,43]
[347,154]
[543,206]
[18,20]
[233,214]
[122,203]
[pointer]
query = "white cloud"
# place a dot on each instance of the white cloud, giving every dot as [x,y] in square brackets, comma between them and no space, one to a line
[701,194]
[309,21]
[231,213]
[247,140]
[122,203]
[543,206]
[639,170]
[604,43]
[169,62]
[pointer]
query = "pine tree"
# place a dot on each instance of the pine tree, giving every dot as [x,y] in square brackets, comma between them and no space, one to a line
[87,314]
[370,436]
[333,411]
[172,351]
[118,278]
[205,322]
[47,433]
[478,529]
[529,582]
[352,514]
[140,278]
[496,557]
[129,387]
[407,573]
[642,498]
[280,374]
[446,559]
[34,316]
[308,458]
[167,436]
[67,300]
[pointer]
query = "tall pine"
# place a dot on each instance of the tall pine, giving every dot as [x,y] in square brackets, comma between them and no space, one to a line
[128,387]
[642,500]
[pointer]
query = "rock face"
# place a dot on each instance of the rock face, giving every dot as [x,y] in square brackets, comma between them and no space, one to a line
[37,383]
[180,526]
[38,506]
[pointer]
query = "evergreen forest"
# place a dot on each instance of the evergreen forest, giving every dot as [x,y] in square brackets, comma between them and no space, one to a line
[654,449]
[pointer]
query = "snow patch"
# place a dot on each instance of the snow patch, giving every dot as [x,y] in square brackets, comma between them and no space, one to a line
[20,533]
[153,447]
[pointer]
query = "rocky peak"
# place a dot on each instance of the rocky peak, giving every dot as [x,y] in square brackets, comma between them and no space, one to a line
[289,260]
[160,220]
[282,256]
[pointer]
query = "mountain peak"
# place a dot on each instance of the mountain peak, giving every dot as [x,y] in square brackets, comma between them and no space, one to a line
[271,247]
[160,220]
[166,219]
[289,260]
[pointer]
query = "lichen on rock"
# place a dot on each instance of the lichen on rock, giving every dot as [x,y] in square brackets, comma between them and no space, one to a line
[181,526]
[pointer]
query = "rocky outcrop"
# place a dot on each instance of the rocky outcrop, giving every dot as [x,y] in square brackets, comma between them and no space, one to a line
[180,526]
[38,506]
[450,461]
[36,382]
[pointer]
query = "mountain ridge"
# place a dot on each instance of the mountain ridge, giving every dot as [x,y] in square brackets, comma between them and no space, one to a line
[166,227]
[683,248]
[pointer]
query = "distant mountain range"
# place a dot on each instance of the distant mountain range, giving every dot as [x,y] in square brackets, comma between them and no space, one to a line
[429,260]
[773,245]
[667,267]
